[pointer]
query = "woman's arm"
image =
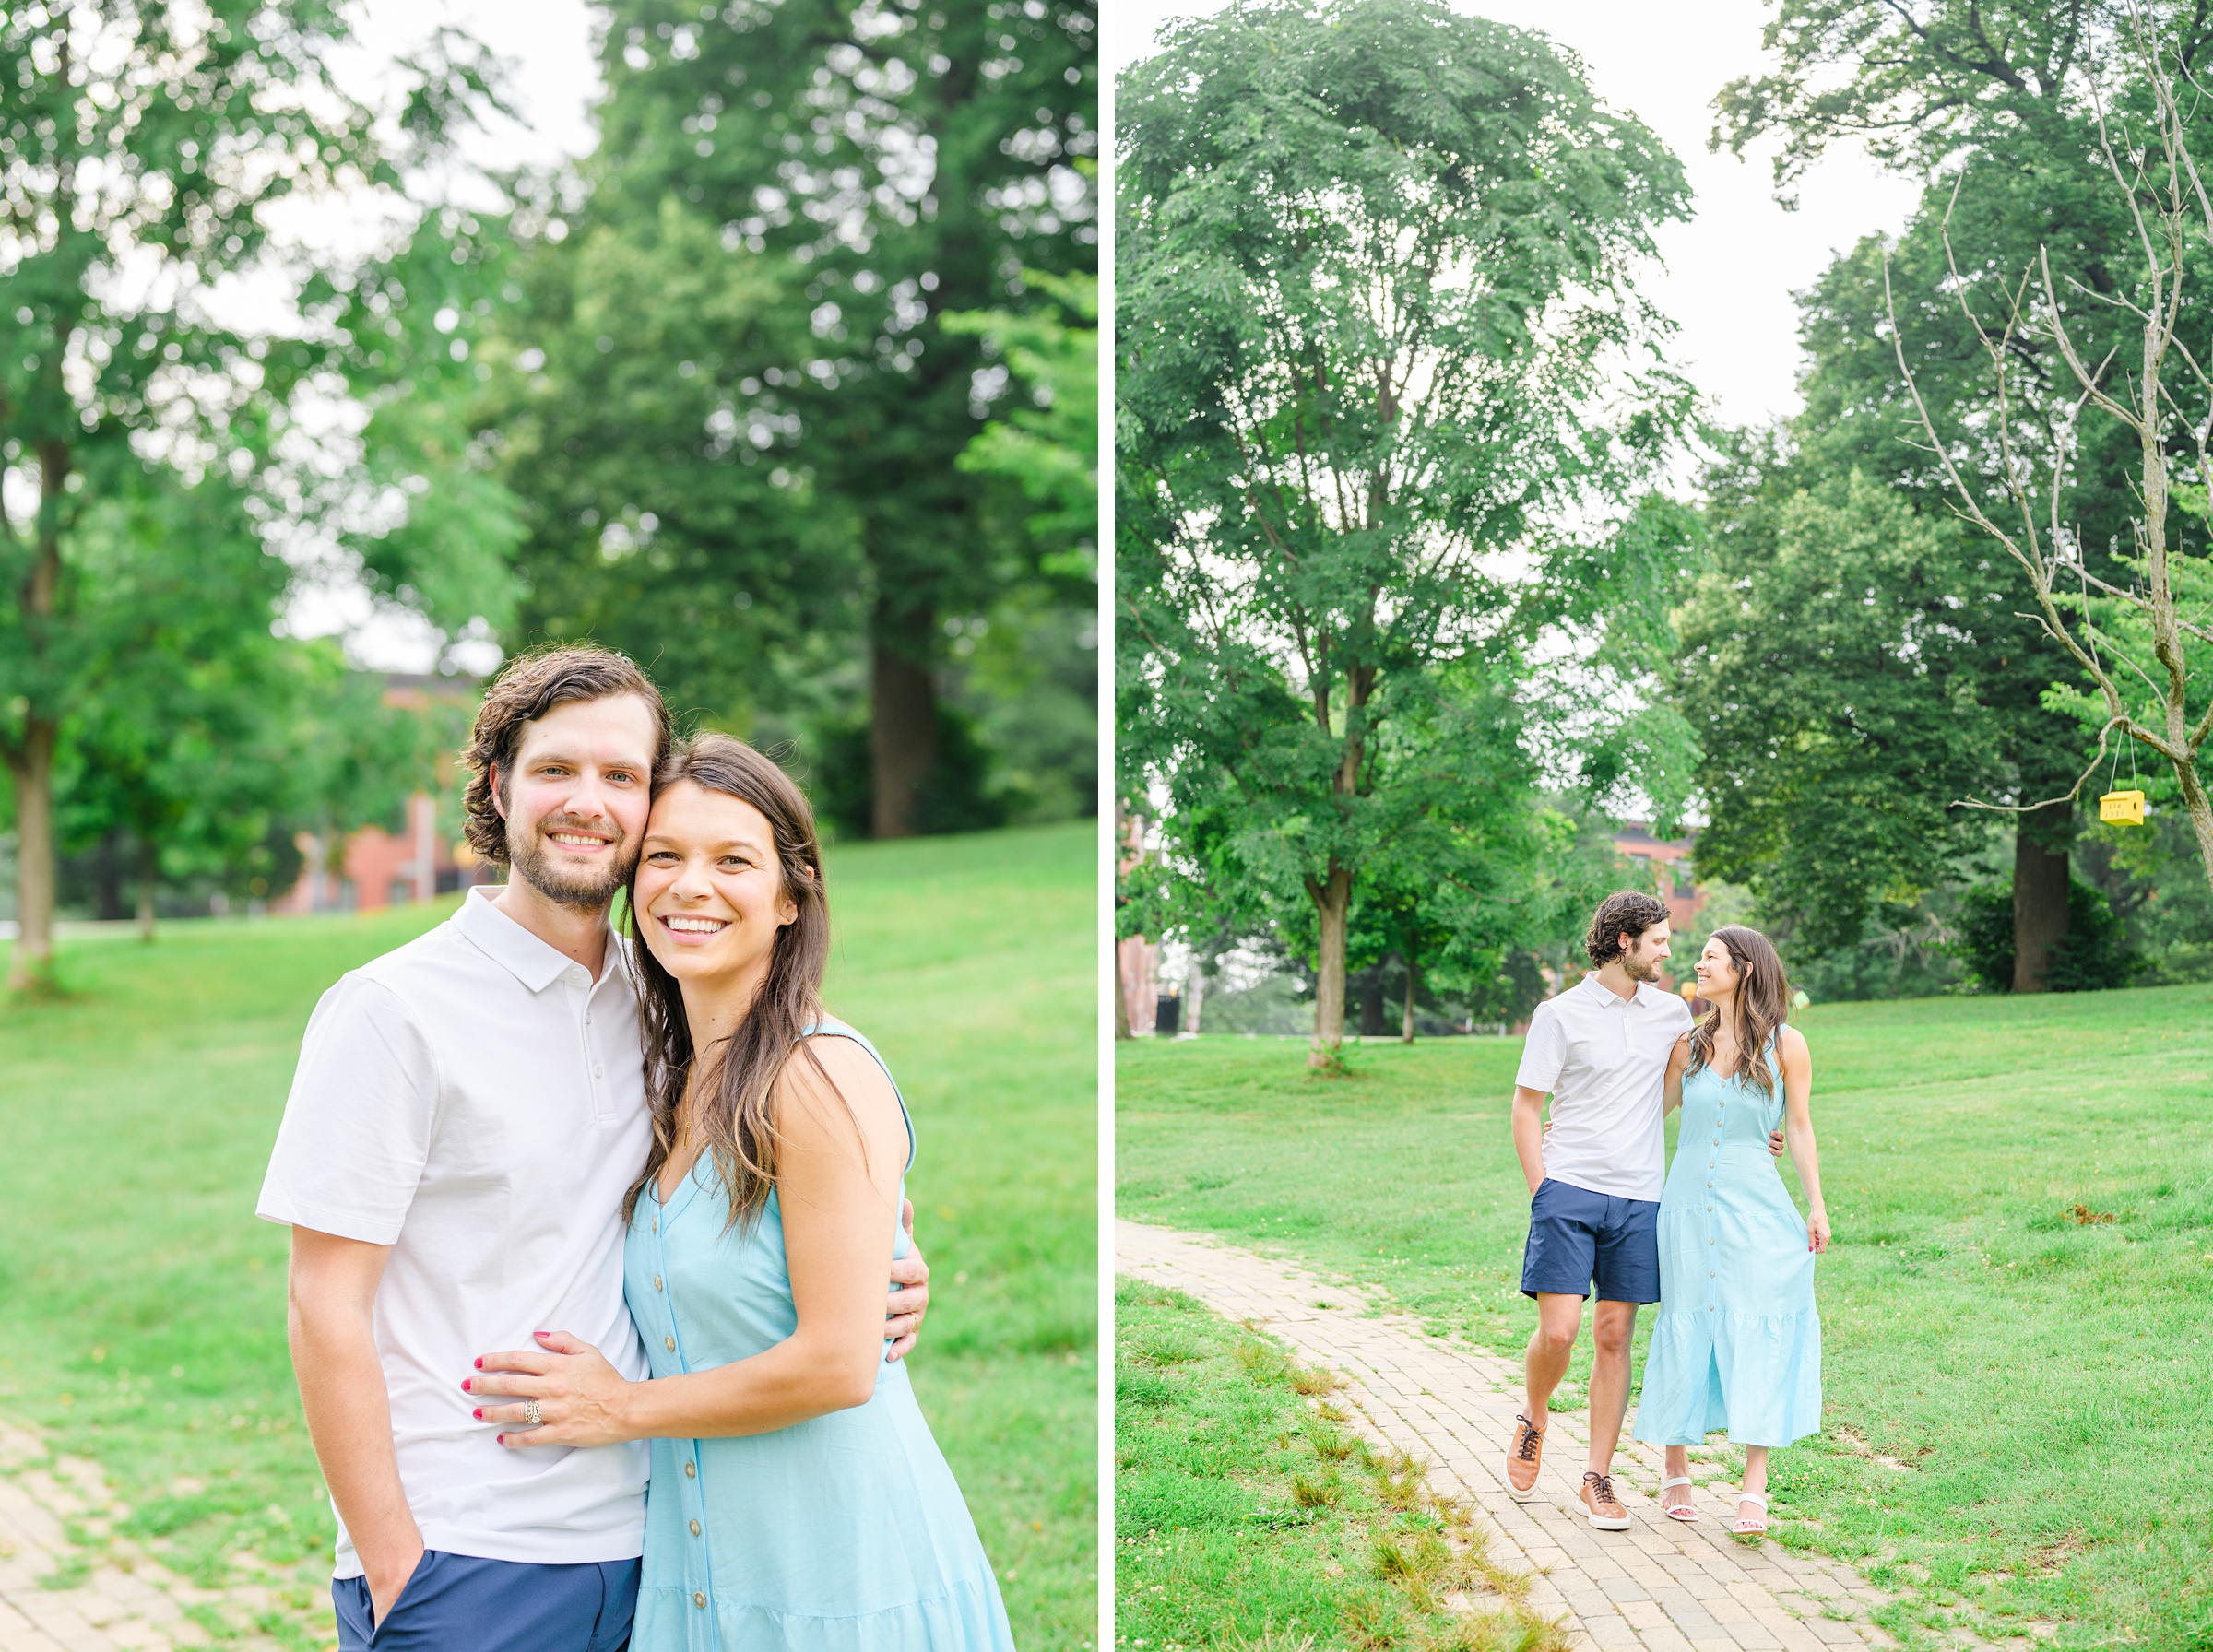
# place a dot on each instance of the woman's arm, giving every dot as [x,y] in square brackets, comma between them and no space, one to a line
[837,1190]
[1678,1058]
[1798,1129]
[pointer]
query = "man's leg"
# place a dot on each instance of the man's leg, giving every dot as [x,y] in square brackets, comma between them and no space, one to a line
[1559,1316]
[1627,1273]
[1612,1327]
[1551,1345]
[1557,1266]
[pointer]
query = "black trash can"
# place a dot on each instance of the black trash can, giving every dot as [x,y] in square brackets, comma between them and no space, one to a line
[1168,1015]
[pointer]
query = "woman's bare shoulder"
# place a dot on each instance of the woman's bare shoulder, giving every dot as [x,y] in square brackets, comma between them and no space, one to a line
[842,1084]
[1792,1043]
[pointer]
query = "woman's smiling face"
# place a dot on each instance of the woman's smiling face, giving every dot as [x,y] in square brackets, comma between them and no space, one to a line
[709,890]
[1716,970]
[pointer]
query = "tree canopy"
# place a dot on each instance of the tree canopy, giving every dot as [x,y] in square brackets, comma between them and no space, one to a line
[1378,336]
[742,407]
[143,155]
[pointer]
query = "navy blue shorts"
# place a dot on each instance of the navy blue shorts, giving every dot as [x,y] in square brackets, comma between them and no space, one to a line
[1576,1236]
[460,1603]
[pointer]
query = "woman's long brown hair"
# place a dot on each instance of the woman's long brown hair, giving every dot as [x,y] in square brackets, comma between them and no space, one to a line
[739,1076]
[1762,1004]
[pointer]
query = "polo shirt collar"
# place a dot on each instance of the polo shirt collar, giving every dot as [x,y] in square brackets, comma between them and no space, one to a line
[1602,994]
[506,942]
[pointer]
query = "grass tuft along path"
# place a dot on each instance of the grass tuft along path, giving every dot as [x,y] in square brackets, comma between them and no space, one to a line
[142,1305]
[2018,1418]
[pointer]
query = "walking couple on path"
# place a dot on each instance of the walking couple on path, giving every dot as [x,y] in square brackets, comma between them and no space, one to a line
[590,1237]
[1714,1240]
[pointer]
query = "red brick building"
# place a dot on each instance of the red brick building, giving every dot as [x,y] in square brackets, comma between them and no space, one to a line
[374,868]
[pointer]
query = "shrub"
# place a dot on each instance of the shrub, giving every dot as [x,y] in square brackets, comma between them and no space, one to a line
[2094,956]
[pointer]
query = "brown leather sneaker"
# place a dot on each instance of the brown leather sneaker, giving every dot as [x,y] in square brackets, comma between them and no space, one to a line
[1604,1508]
[1524,1456]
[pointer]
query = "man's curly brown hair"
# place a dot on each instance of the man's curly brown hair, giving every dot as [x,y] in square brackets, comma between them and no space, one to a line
[531,685]
[1628,912]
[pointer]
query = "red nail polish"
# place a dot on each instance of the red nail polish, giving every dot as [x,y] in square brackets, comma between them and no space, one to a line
[478,1413]
[465,1385]
[479,1364]
[499,1439]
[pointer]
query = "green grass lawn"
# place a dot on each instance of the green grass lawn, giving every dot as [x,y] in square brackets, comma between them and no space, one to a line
[1245,1517]
[142,1305]
[2019,1420]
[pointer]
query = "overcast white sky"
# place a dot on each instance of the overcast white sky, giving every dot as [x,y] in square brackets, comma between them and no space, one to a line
[1730,273]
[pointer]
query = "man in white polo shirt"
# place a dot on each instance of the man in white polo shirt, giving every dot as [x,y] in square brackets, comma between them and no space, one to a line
[1601,1049]
[468,1114]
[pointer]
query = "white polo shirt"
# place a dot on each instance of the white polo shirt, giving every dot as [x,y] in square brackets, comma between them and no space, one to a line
[1605,1059]
[475,1100]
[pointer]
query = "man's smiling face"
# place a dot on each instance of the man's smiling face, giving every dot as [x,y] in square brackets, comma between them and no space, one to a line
[576,800]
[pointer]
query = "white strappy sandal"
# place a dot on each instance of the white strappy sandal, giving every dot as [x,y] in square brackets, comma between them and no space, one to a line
[1752,1528]
[1685,1512]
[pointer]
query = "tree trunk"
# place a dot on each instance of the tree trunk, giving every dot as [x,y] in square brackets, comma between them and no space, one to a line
[903,730]
[1333,905]
[32,763]
[107,870]
[149,869]
[1413,979]
[1194,994]
[2039,893]
[1122,1004]
[33,770]
[2201,813]
[1371,1004]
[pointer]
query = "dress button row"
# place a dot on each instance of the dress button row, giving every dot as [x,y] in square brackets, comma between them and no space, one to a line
[670,1343]
[695,1529]
[690,1470]
[699,1599]
[656,1278]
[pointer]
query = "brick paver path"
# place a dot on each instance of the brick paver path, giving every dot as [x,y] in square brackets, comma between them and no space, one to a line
[1661,1585]
[126,1600]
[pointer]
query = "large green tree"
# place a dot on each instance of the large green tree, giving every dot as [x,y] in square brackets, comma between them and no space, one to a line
[1985,101]
[178,744]
[1376,271]
[144,151]
[744,449]
[1835,679]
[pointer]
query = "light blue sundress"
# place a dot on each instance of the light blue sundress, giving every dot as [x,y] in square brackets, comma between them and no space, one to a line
[1738,1341]
[844,1533]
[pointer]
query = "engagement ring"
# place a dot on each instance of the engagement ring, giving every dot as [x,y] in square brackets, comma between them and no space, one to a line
[530,1414]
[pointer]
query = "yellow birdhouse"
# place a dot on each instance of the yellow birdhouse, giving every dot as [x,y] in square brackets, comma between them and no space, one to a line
[2125,807]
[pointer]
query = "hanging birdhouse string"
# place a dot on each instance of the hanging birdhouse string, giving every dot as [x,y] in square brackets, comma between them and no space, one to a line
[2124,808]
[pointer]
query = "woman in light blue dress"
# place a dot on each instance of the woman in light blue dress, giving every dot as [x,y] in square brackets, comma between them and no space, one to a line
[1737,1344]
[797,1501]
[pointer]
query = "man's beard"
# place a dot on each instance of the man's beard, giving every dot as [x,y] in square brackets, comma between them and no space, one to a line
[1640,969]
[585,889]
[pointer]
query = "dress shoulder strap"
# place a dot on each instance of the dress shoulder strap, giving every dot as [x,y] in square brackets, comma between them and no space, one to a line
[831,1027]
